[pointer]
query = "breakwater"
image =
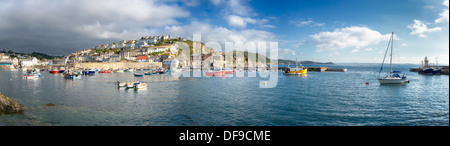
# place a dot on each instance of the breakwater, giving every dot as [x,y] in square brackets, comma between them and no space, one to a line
[319,69]
[120,65]
[445,69]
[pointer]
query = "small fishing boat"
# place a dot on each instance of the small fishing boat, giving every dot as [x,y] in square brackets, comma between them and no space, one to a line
[53,71]
[298,70]
[62,70]
[215,73]
[125,84]
[148,73]
[432,71]
[89,72]
[73,77]
[29,76]
[394,76]
[32,73]
[138,74]
[129,70]
[129,85]
[140,85]
[105,71]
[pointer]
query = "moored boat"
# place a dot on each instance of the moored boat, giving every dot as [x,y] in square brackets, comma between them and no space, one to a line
[394,76]
[32,73]
[432,71]
[73,77]
[215,73]
[105,71]
[298,70]
[38,75]
[138,74]
[53,71]
[140,85]
[148,73]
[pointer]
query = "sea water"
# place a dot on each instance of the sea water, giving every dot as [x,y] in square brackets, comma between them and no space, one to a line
[318,99]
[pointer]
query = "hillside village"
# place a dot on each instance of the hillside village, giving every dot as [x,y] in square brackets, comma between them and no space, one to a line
[163,49]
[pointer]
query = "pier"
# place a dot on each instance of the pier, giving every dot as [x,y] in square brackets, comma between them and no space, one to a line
[319,69]
[445,69]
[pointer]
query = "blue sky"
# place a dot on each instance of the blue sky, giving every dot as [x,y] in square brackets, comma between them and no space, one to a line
[319,30]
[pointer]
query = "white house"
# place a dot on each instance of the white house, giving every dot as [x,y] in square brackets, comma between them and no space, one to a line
[171,63]
[142,43]
[29,62]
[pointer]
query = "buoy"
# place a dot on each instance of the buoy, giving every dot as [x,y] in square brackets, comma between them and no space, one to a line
[367,83]
[265,83]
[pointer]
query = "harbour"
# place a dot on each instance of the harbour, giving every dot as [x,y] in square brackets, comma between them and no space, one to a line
[317,99]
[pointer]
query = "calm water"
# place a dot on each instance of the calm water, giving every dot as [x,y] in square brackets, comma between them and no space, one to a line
[328,98]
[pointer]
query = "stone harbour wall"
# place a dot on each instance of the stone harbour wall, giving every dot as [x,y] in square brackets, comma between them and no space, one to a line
[120,65]
[6,67]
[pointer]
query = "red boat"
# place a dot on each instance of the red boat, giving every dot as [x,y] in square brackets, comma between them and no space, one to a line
[215,73]
[105,71]
[54,71]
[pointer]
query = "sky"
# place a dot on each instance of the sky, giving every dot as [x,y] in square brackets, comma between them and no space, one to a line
[340,31]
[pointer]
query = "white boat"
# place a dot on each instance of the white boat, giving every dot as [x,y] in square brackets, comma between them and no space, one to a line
[140,85]
[394,76]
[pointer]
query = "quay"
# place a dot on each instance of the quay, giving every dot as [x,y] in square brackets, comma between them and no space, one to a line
[426,64]
[319,69]
[445,69]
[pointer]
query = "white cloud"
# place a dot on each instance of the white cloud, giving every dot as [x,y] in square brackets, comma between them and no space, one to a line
[238,21]
[419,28]
[354,36]
[444,15]
[77,23]
[234,7]
[191,3]
[308,22]
[221,35]
[216,2]
[283,52]
[355,50]
[368,49]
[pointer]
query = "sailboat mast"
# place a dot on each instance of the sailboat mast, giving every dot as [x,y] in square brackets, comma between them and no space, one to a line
[392,48]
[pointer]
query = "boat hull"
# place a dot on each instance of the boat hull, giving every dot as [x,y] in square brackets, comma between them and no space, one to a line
[213,73]
[393,81]
[432,71]
[300,72]
[72,77]
[138,75]
[53,72]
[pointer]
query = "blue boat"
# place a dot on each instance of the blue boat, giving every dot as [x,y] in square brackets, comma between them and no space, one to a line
[148,73]
[138,75]
[432,71]
[72,77]
[88,72]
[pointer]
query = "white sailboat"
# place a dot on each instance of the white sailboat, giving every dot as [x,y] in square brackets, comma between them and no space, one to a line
[394,76]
